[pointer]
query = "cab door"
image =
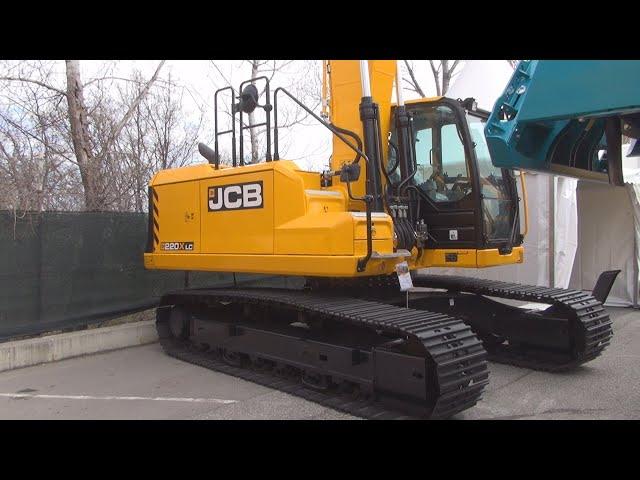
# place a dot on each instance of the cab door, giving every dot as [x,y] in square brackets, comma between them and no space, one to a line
[445,176]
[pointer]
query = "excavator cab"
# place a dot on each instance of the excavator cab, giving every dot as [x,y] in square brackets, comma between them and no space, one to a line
[466,202]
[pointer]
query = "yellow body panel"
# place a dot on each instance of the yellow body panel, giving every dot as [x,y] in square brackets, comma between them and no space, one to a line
[492,258]
[304,265]
[468,258]
[423,100]
[180,217]
[302,229]
[238,231]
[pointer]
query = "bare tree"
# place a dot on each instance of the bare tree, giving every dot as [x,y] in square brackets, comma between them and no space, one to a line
[65,145]
[89,152]
[443,72]
[34,156]
[412,81]
[90,160]
[160,137]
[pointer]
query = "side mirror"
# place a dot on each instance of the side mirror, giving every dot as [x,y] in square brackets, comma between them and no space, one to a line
[469,104]
[248,99]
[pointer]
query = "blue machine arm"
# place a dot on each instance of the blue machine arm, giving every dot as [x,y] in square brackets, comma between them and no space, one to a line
[567,117]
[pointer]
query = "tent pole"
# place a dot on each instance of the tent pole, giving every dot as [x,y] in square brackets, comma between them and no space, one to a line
[552,231]
[636,274]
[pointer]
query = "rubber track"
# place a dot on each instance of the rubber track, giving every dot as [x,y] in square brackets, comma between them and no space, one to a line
[458,354]
[593,324]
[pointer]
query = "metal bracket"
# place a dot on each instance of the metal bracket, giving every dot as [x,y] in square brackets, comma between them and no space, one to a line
[383,256]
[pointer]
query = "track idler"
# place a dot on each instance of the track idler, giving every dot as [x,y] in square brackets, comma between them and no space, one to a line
[574,329]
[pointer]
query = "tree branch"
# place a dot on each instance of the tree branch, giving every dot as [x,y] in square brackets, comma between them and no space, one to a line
[414,82]
[129,113]
[224,77]
[36,82]
[436,76]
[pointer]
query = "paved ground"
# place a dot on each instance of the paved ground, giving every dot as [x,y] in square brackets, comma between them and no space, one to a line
[143,383]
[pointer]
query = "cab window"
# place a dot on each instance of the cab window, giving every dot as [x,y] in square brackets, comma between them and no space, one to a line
[442,170]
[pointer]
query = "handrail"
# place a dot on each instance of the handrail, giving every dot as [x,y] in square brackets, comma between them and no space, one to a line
[215,126]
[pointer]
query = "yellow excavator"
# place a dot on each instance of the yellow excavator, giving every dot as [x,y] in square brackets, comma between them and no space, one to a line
[410,186]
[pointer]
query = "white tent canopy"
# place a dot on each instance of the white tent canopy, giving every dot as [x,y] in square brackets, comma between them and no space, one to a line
[483,80]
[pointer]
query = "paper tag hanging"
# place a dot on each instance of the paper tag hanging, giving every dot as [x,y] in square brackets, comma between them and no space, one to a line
[404,276]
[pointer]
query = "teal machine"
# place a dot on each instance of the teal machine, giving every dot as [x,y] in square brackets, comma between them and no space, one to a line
[567,117]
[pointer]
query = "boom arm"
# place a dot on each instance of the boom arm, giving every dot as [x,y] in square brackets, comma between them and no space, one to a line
[346,93]
[558,116]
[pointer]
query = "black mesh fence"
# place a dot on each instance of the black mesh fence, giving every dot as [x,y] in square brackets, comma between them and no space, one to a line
[61,270]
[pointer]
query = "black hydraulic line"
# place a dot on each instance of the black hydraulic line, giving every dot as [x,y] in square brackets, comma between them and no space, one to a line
[371,132]
[426,197]
[406,162]
[382,166]
[399,223]
[409,234]
[362,263]
[337,131]
[405,145]
[411,157]
[354,136]
[417,217]
[399,231]
[395,149]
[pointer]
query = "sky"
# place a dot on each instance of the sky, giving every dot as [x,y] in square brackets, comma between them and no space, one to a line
[309,144]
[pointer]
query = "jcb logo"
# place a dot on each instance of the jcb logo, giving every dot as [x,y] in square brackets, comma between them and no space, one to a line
[235,197]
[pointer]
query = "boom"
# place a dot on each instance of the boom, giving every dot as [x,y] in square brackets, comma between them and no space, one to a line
[567,117]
